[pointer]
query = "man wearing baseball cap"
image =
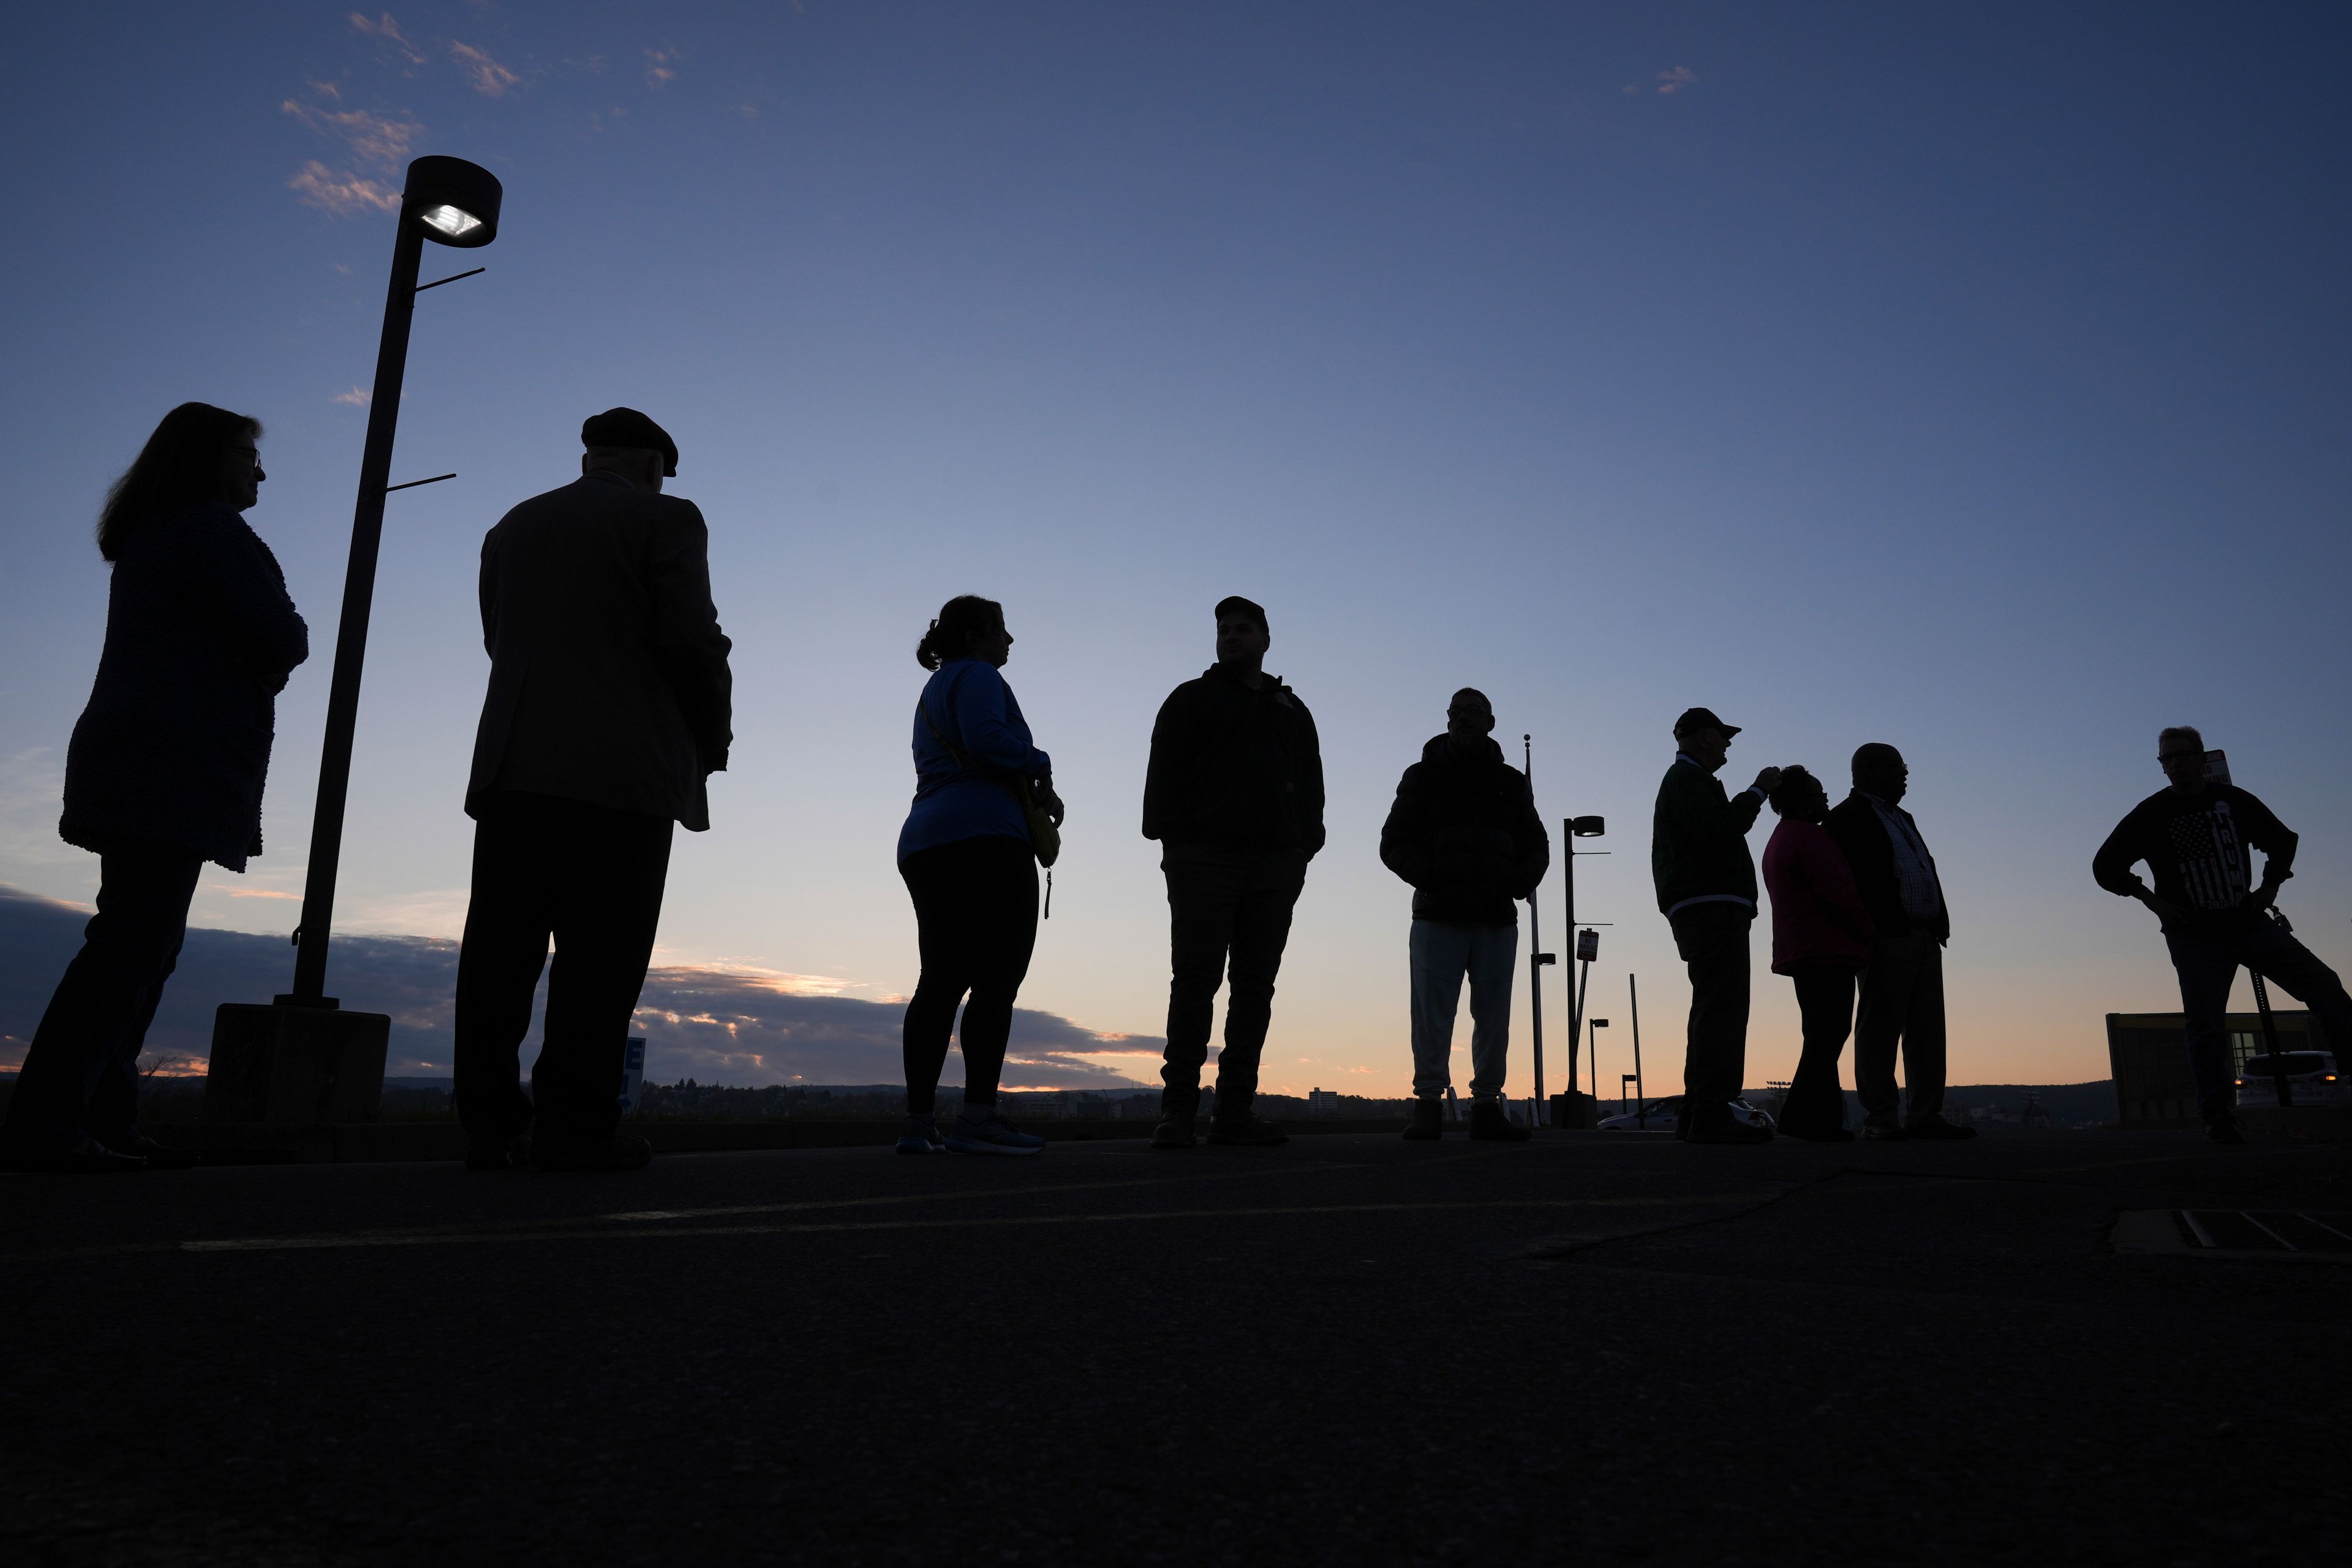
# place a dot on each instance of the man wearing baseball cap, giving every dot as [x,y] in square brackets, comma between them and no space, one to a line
[609,707]
[1706,889]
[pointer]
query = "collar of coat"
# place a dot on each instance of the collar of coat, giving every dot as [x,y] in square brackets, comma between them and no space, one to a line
[1482,751]
[1273,685]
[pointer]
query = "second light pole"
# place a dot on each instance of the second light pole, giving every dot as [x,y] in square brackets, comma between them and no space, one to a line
[1573,1105]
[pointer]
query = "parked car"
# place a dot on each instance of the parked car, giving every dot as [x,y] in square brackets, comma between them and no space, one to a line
[1659,1115]
[2311,1079]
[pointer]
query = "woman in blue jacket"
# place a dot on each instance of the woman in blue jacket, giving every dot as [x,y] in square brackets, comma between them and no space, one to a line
[966,855]
[163,773]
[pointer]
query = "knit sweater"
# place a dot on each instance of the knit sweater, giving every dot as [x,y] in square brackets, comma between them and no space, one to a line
[1699,840]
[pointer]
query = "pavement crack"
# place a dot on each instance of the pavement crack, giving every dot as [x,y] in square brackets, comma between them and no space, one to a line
[1562,1251]
[379,1239]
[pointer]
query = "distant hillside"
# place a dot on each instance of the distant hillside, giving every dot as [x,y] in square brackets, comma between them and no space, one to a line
[715,1024]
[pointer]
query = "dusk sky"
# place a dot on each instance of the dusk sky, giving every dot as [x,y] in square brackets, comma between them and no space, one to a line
[1968,377]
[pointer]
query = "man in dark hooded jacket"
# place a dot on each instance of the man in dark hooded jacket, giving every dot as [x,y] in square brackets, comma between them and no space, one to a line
[1464,831]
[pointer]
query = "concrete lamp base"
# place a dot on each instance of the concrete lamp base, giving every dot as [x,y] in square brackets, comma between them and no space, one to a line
[294,1066]
[1572,1110]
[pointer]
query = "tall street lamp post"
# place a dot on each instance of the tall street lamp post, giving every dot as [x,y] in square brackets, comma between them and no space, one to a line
[1573,1108]
[302,1059]
[1537,957]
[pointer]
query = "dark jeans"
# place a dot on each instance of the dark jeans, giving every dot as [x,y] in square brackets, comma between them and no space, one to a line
[1902,1004]
[1228,920]
[82,1070]
[1713,941]
[2208,967]
[976,918]
[590,877]
[1815,1105]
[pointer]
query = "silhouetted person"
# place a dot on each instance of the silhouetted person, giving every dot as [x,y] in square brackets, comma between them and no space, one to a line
[1706,889]
[1234,795]
[969,864]
[164,771]
[2198,838]
[1464,831]
[1820,939]
[608,709]
[1903,987]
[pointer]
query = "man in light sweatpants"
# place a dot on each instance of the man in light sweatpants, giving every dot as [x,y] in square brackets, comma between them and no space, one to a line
[1464,831]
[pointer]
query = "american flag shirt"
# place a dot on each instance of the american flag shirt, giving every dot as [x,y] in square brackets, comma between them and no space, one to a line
[2200,849]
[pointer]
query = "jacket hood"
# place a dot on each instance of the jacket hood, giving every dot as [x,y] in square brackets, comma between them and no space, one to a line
[1440,750]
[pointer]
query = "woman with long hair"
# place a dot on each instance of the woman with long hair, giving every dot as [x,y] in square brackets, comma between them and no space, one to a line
[966,856]
[163,773]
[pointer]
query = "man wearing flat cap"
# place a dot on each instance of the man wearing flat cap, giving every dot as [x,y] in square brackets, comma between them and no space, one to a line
[1706,889]
[609,707]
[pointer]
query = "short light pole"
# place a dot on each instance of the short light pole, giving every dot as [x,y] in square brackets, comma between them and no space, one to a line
[1598,1025]
[1579,981]
[303,1059]
[1641,1098]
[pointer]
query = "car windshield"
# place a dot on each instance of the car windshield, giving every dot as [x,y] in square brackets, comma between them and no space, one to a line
[2294,1063]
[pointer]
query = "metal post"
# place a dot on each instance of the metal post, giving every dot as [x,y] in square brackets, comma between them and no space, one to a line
[2279,1086]
[1575,1001]
[351,637]
[1537,956]
[1586,949]
[1640,1096]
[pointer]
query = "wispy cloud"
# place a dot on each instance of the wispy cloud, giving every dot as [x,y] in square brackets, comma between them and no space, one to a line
[483,74]
[661,66]
[387,31]
[374,140]
[341,194]
[1665,84]
[357,397]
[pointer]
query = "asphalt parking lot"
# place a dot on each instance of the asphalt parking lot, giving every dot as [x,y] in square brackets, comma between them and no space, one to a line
[1347,1348]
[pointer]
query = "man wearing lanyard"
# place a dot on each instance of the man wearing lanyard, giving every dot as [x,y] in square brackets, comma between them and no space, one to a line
[1903,988]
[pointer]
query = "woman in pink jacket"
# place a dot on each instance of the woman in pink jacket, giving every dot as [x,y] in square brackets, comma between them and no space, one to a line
[1821,938]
